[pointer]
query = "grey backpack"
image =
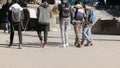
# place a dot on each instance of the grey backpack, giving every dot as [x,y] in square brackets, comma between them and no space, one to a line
[16,15]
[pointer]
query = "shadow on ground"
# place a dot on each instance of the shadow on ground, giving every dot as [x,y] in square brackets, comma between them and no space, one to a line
[106,40]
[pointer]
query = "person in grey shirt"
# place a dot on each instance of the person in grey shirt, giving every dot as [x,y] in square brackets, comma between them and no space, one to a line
[44,13]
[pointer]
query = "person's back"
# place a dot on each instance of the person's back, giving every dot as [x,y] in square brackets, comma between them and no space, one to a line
[64,17]
[44,13]
[16,15]
[79,12]
[64,9]
[78,20]
[89,16]
[16,12]
[15,23]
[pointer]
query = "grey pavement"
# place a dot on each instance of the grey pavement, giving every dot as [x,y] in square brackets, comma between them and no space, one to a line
[104,54]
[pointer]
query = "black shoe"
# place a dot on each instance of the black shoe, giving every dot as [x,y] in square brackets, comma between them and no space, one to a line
[20,46]
[10,45]
[75,43]
[78,46]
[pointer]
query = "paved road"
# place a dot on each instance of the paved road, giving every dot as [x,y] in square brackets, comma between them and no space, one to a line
[104,54]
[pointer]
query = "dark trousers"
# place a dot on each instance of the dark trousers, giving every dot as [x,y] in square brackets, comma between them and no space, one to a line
[45,32]
[16,26]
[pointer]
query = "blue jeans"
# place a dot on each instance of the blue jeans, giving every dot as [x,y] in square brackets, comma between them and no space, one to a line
[64,33]
[86,34]
[7,23]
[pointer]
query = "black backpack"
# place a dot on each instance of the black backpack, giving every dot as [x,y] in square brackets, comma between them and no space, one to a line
[65,10]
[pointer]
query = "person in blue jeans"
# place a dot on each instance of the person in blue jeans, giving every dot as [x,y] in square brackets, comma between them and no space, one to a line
[5,8]
[64,17]
[87,25]
[7,24]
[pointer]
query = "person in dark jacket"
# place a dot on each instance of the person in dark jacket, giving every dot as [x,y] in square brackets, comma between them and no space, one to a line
[64,18]
[5,9]
[44,13]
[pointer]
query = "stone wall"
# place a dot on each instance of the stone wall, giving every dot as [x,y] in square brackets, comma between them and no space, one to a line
[106,27]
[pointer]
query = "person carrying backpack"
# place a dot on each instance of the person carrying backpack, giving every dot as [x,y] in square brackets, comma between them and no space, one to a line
[89,19]
[64,18]
[16,10]
[78,20]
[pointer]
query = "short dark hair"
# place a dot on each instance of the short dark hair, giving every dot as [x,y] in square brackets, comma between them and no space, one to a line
[85,3]
[63,0]
[77,2]
[15,1]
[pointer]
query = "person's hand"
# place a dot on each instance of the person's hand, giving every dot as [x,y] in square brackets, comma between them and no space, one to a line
[72,21]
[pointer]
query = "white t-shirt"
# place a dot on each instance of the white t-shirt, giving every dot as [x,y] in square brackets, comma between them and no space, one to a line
[16,5]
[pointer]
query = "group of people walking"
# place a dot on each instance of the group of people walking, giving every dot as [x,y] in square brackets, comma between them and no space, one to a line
[80,16]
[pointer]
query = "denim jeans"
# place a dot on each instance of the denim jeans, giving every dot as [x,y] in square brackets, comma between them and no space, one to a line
[64,33]
[7,23]
[86,34]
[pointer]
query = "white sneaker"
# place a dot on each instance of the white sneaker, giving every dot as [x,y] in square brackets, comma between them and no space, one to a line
[63,46]
[67,44]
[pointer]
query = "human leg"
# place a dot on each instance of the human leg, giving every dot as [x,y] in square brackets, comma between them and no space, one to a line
[88,38]
[66,34]
[84,35]
[7,24]
[45,35]
[62,29]
[11,35]
[39,35]
[77,29]
[20,35]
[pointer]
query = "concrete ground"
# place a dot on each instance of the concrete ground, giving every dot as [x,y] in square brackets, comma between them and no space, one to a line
[104,54]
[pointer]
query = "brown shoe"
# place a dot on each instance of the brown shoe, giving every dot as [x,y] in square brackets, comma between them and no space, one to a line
[43,45]
[89,44]
[82,42]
